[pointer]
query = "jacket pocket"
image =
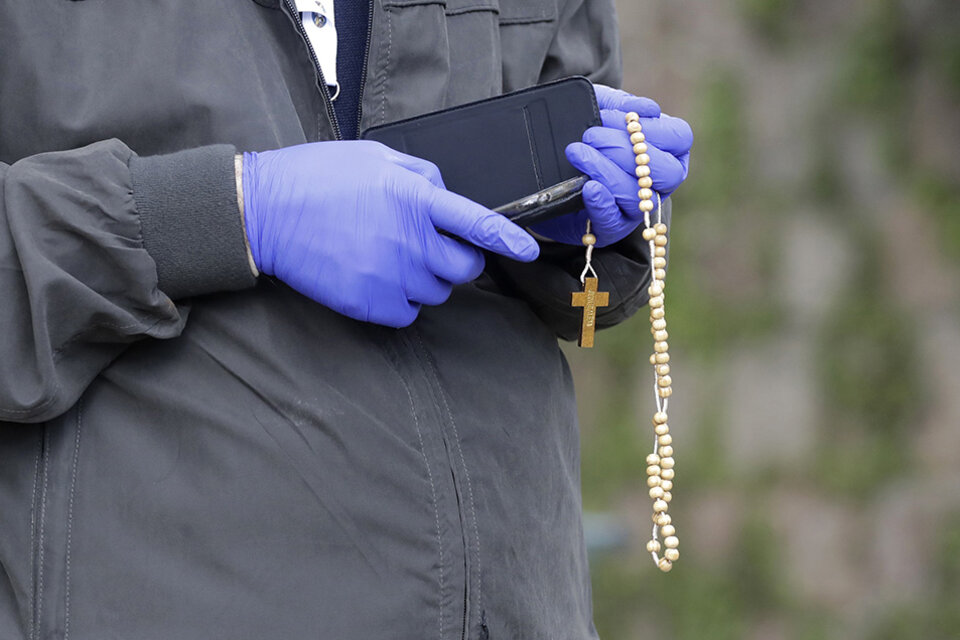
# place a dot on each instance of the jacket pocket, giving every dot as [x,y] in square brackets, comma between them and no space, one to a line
[527,11]
[458,7]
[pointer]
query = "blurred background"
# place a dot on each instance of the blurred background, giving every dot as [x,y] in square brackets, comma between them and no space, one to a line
[814,317]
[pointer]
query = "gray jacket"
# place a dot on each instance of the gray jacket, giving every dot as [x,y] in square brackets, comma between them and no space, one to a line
[190,453]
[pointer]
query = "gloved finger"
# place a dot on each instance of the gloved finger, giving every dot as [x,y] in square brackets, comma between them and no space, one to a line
[610,98]
[602,169]
[376,301]
[480,226]
[453,261]
[672,135]
[395,316]
[607,221]
[419,166]
[667,171]
[425,288]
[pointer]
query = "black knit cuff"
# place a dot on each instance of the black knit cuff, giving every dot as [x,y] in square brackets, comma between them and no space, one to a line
[191,222]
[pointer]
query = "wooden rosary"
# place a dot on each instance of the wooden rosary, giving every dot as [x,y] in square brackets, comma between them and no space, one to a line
[660,463]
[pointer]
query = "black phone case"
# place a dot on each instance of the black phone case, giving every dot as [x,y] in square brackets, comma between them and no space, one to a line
[502,151]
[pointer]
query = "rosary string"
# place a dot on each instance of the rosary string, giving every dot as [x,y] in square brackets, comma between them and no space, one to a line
[660,463]
[588,268]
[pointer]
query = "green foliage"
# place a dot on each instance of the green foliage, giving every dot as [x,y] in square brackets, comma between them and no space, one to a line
[716,603]
[721,296]
[769,19]
[940,198]
[719,176]
[613,459]
[947,56]
[937,617]
[879,62]
[868,374]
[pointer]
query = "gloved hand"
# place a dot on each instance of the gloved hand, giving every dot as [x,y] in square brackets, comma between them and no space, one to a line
[606,155]
[354,226]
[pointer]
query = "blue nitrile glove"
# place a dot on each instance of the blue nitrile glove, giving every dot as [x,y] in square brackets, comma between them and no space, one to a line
[606,155]
[354,225]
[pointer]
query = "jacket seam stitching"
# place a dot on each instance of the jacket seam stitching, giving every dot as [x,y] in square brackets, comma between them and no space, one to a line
[73,489]
[34,514]
[386,66]
[38,605]
[433,495]
[463,462]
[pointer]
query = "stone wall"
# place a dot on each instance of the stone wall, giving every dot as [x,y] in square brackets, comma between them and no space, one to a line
[814,310]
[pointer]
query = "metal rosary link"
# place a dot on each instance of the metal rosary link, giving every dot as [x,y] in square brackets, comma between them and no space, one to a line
[660,463]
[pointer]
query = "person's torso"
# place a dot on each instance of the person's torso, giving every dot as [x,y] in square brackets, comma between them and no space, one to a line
[424,481]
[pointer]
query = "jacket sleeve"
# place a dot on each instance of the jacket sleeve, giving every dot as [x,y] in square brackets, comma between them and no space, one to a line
[587,43]
[95,243]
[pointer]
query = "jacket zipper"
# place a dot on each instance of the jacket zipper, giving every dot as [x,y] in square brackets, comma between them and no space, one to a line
[327,102]
[419,350]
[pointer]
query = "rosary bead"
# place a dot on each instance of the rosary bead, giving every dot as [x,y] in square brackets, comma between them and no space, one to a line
[656,492]
[643,159]
[671,554]
[640,147]
[665,392]
[666,451]
[661,429]
[653,546]
[656,301]
[660,274]
[664,440]
[657,313]
[634,127]
[666,463]
[671,542]
[660,228]
[653,470]
[666,474]
[660,417]
[659,263]
[659,324]
[646,194]
[662,358]
[642,171]
[653,481]
[649,234]
[665,565]
[668,530]
[632,116]
[660,252]
[667,496]
[646,205]
[659,240]
[589,239]
[637,137]
[666,484]
[653,458]
[662,369]
[655,289]
[662,519]
[661,347]
[653,358]
[660,336]
[660,506]
[645,182]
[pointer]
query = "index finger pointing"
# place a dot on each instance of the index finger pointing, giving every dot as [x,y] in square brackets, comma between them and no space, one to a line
[480,226]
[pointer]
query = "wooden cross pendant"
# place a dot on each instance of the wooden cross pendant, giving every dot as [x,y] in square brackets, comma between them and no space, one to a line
[589,299]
